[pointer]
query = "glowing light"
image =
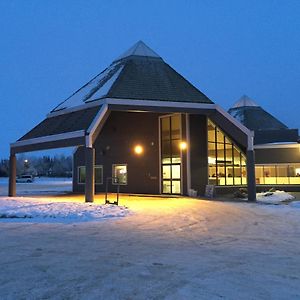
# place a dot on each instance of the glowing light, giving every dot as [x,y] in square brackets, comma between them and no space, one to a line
[212,160]
[183,145]
[26,161]
[138,149]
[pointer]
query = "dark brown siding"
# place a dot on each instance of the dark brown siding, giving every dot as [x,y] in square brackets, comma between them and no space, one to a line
[277,155]
[198,153]
[122,131]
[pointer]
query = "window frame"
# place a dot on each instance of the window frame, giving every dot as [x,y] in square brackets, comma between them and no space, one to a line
[96,183]
[112,173]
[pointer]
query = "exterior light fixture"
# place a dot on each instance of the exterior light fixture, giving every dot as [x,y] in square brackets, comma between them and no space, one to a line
[183,145]
[138,149]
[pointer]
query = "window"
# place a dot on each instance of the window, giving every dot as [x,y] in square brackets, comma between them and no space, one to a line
[277,174]
[226,162]
[119,174]
[81,175]
[98,174]
[170,128]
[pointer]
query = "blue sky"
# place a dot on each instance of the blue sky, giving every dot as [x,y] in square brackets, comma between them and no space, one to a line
[225,48]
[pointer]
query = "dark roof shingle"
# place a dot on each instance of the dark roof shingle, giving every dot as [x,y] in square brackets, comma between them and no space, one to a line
[69,122]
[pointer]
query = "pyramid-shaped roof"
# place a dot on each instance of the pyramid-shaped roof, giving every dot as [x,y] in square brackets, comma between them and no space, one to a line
[253,116]
[138,74]
[139,49]
[244,101]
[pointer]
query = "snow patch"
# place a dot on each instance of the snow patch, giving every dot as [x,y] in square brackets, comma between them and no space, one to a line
[98,87]
[38,210]
[276,197]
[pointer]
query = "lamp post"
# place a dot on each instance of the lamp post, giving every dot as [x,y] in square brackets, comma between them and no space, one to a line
[26,165]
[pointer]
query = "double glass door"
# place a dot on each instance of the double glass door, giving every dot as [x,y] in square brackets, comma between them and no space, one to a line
[170,129]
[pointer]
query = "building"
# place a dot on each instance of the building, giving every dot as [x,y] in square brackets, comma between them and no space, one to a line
[147,128]
[277,148]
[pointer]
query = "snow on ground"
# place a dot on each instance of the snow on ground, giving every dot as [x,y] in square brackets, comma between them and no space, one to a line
[41,185]
[41,210]
[169,248]
[275,197]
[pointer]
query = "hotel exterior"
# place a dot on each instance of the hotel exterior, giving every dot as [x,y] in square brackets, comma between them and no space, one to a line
[143,126]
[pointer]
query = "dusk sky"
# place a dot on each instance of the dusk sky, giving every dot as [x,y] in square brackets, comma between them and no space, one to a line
[226,49]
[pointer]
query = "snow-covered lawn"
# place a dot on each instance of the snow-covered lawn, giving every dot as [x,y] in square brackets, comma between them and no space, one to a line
[41,185]
[44,210]
[173,248]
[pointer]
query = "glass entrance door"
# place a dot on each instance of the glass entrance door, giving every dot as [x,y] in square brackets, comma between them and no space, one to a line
[170,132]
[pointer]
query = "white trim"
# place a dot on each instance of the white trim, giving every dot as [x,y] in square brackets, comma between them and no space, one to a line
[234,121]
[49,138]
[279,145]
[159,103]
[133,102]
[93,126]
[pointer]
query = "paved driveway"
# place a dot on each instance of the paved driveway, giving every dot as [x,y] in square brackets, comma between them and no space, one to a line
[173,248]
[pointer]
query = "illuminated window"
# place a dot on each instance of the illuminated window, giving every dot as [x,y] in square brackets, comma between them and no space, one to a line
[98,173]
[279,174]
[119,173]
[171,149]
[226,162]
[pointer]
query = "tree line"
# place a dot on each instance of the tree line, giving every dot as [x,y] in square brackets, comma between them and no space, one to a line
[57,166]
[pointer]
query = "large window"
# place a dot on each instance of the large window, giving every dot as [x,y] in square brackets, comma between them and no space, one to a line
[98,174]
[277,174]
[170,128]
[119,173]
[226,162]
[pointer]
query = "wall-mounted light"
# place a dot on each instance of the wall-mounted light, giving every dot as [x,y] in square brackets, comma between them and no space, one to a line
[138,149]
[183,145]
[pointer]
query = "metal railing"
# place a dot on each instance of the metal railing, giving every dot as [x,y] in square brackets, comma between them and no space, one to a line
[114,180]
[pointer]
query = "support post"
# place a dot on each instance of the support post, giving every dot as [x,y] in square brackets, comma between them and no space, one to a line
[12,175]
[89,174]
[251,182]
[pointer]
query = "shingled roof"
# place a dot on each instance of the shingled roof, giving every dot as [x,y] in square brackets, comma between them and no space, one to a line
[253,116]
[267,128]
[70,122]
[138,74]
